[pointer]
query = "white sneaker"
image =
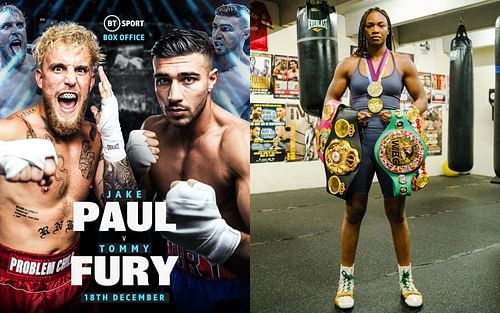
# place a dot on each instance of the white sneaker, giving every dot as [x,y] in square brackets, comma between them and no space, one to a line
[344,298]
[413,298]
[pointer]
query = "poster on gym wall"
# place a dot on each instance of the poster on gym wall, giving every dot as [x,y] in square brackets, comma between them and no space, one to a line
[439,88]
[260,73]
[432,127]
[268,135]
[302,129]
[439,81]
[286,77]
[426,79]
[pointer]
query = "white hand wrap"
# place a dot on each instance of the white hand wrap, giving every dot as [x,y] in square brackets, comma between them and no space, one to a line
[17,154]
[200,227]
[111,133]
[138,153]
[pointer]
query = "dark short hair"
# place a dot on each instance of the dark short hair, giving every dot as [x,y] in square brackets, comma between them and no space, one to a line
[233,9]
[181,42]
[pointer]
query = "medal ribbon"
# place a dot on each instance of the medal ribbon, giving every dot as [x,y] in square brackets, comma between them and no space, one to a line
[377,76]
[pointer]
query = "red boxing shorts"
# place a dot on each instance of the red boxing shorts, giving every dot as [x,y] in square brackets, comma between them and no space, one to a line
[38,283]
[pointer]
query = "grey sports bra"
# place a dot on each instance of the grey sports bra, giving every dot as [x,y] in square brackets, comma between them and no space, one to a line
[392,85]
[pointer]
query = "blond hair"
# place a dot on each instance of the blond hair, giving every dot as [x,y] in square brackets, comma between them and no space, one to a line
[70,34]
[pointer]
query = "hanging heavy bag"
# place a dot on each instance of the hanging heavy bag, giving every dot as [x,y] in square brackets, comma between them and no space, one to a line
[317,49]
[496,152]
[461,112]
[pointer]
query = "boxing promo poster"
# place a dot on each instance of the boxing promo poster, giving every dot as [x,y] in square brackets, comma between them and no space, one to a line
[286,77]
[260,73]
[436,89]
[302,127]
[268,134]
[127,266]
[432,126]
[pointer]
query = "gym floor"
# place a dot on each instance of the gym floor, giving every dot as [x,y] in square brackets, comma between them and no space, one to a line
[455,239]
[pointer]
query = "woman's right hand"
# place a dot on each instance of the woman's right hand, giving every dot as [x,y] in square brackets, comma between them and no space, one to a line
[363,118]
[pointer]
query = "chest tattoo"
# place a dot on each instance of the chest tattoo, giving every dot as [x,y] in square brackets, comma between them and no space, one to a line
[30,132]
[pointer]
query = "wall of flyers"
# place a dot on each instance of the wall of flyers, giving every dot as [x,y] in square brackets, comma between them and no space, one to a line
[293,138]
[274,74]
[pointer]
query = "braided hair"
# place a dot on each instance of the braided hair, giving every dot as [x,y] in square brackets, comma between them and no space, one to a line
[362,48]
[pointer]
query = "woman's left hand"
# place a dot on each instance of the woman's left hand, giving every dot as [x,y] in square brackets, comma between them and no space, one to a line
[386,116]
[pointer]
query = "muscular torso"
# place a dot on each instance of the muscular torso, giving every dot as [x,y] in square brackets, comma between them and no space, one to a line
[39,220]
[200,158]
[352,63]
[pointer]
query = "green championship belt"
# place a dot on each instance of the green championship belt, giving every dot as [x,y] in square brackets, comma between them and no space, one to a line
[400,151]
[342,152]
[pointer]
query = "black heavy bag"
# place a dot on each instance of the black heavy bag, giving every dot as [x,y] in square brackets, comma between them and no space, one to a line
[461,115]
[496,152]
[317,47]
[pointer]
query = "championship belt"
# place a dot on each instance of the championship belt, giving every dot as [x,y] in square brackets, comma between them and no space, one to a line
[342,152]
[400,151]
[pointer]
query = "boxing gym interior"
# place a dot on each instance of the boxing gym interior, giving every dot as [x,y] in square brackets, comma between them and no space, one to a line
[453,219]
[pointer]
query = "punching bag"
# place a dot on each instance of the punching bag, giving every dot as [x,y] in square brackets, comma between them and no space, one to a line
[496,140]
[461,114]
[317,48]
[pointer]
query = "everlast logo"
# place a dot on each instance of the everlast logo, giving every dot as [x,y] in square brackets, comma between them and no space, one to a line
[317,25]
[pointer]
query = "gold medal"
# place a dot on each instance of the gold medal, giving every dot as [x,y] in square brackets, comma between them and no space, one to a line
[375,89]
[335,185]
[375,105]
[422,180]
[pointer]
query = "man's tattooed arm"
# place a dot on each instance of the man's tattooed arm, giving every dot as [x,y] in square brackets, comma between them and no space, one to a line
[112,176]
[118,175]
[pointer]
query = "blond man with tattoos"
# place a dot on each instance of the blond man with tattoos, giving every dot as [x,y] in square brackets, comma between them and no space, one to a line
[49,158]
